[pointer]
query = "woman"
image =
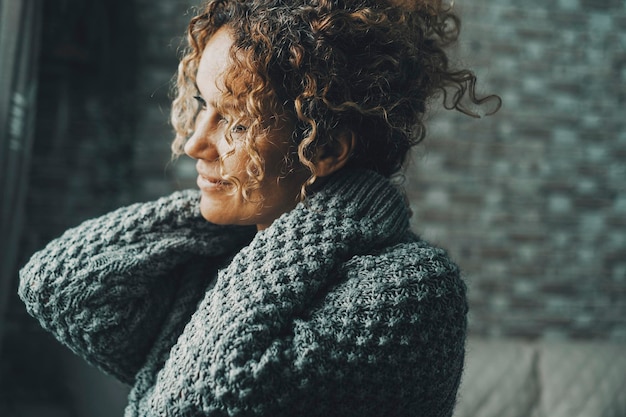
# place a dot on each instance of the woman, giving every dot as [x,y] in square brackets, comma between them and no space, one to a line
[291,285]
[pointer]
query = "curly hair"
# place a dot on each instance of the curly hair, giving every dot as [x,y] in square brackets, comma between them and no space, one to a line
[367,68]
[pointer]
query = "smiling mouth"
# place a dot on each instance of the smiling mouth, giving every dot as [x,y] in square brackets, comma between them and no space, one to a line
[211,184]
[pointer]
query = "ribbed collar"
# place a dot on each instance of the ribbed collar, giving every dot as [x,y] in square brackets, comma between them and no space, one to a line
[360,203]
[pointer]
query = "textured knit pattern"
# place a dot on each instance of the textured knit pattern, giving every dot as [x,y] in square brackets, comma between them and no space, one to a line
[336,309]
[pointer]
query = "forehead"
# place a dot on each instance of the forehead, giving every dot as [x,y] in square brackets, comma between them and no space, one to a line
[214,60]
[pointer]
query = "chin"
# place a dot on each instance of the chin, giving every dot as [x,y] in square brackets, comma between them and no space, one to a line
[210,214]
[212,218]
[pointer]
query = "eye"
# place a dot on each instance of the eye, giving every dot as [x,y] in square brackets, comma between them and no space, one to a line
[201,102]
[239,129]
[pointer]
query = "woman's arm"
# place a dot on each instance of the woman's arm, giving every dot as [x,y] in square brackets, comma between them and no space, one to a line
[106,287]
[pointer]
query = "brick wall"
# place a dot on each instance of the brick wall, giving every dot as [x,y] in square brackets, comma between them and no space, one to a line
[164,24]
[532,202]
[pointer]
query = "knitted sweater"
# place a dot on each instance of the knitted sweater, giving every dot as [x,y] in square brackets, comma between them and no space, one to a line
[336,309]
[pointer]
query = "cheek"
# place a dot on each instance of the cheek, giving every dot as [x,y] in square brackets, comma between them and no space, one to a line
[234,160]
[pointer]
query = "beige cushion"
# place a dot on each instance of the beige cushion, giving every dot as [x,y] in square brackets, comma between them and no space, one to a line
[508,378]
[498,380]
[582,380]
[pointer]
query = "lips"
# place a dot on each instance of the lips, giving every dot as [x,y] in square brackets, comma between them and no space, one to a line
[210,183]
[207,180]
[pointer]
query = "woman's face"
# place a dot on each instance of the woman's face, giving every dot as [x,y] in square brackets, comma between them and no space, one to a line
[222,202]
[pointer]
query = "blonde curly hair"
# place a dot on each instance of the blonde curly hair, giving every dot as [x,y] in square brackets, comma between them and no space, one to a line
[363,67]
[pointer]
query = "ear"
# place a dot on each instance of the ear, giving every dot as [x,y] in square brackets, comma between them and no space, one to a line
[334,156]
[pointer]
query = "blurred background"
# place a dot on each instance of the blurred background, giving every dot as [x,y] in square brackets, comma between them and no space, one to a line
[530,202]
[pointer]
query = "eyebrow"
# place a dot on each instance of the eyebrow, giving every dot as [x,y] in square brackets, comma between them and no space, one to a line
[221,106]
[231,108]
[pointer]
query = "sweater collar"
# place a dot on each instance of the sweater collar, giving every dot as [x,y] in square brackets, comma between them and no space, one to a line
[356,212]
[357,204]
[368,199]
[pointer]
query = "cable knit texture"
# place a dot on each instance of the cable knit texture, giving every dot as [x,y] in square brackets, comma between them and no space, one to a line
[336,309]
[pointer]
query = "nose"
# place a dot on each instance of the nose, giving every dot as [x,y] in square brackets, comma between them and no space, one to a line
[201,145]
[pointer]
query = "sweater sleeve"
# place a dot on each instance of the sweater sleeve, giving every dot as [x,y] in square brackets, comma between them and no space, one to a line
[105,287]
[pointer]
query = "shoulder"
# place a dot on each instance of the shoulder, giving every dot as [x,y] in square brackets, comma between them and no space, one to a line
[412,286]
[413,270]
[395,318]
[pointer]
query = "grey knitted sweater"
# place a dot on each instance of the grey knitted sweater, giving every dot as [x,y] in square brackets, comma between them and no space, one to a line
[336,309]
